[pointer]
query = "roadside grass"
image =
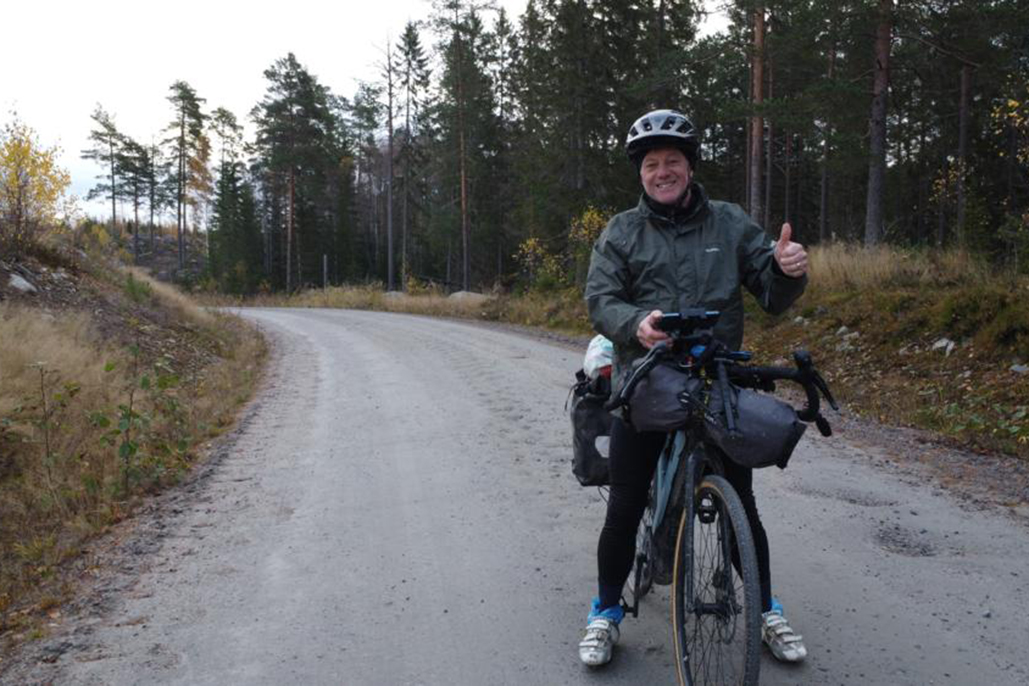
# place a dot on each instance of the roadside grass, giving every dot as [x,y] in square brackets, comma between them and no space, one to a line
[90,422]
[166,295]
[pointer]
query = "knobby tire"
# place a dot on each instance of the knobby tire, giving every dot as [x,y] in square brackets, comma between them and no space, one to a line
[721,645]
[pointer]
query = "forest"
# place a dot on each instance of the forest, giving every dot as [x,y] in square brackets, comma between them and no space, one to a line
[488,153]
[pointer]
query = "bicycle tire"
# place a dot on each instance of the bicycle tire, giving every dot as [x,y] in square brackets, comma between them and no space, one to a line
[717,642]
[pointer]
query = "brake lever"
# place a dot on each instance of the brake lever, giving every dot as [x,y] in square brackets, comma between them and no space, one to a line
[823,425]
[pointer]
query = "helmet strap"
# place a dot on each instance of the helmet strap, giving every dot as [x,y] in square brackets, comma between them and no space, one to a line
[680,202]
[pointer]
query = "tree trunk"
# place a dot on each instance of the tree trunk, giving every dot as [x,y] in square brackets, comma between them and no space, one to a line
[407,190]
[877,127]
[114,188]
[966,87]
[770,154]
[135,223]
[390,284]
[757,79]
[787,179]
[153,193]
[289,231]
[823,201]
[180,190]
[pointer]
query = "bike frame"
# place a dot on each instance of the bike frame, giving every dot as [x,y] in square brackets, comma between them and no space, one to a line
[697,464]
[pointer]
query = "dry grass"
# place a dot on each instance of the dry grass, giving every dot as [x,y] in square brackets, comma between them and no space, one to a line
[53,376]
[54,359]
[64,408]
[171,298]
[849,266]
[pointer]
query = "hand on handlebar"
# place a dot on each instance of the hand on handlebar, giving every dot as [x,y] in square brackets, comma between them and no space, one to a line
[648,333]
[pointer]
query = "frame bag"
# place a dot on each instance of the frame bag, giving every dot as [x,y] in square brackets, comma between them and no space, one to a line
[591,429]
[660,401]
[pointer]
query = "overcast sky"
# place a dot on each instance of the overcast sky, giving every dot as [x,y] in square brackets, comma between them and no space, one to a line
[64,57]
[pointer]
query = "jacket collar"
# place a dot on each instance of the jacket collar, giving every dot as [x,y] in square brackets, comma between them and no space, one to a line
[667,215]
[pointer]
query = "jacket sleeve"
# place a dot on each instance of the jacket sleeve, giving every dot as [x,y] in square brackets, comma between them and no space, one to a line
[760,272]
[607,292]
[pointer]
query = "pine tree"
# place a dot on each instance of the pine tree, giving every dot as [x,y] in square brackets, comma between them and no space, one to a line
[298,152]
[413,77]
[107,143]
[187,144]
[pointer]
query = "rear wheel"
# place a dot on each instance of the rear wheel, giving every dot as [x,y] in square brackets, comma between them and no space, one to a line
[716,612]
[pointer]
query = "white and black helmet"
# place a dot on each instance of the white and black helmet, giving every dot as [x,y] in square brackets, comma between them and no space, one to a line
[662,129]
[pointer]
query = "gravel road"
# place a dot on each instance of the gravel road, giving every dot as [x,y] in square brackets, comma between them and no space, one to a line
[397,508]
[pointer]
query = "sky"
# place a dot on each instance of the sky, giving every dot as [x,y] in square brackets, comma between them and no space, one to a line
[66,57]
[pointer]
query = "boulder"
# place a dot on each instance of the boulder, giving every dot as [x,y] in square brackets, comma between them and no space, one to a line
[468,297]
[18,283]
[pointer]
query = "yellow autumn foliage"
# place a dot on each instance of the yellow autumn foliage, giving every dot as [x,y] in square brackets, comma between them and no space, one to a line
[32,186]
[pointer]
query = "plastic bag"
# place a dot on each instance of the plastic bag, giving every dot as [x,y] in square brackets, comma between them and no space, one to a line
[598,357]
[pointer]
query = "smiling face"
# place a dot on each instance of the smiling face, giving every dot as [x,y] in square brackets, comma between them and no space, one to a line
[666,174]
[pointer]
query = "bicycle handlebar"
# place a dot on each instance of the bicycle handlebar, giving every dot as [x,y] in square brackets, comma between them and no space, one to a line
[805,375]
[724,365]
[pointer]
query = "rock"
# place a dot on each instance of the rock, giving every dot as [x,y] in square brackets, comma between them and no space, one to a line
[1020,368]
[842,331]
[394,294]
[799,320]
[21,284]
[851,336]
[944,344]
[468,297]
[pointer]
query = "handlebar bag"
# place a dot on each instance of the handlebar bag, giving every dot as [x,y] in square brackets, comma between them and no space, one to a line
[767,429]
[591,429]
[660,401]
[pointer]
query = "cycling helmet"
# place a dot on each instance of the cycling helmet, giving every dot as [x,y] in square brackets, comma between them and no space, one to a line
[662,129]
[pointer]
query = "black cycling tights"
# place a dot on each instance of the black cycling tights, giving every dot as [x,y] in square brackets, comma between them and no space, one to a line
[633,458]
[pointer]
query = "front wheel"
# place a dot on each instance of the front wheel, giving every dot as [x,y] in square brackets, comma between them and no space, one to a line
[716,613]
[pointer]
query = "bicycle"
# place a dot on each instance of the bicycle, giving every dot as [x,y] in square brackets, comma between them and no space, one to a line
[716,613]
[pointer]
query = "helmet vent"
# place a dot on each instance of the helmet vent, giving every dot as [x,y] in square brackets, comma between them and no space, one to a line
[684,127]
[668,123]
[647,125]
[633,132]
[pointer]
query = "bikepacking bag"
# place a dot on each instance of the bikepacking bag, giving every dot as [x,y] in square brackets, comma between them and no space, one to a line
[591,429]
[660,401]
[767,429]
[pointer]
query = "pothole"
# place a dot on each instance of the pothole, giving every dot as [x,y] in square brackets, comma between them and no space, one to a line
[903,541]
[847,495]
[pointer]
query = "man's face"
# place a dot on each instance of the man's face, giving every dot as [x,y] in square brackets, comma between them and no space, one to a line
[666,174]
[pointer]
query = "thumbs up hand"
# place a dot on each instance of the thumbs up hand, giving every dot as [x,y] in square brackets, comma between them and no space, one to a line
[792,257]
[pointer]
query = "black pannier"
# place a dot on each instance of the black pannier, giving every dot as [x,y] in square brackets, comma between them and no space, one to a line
[591,429]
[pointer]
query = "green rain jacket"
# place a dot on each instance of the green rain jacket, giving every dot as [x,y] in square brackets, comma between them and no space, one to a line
[699,257]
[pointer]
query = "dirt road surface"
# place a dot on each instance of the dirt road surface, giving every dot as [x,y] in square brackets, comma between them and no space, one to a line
[397,508]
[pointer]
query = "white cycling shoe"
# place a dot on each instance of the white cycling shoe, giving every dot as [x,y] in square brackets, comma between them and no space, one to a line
[602,634]
[776,633]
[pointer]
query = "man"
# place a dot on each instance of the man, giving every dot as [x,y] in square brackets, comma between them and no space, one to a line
[675,250]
